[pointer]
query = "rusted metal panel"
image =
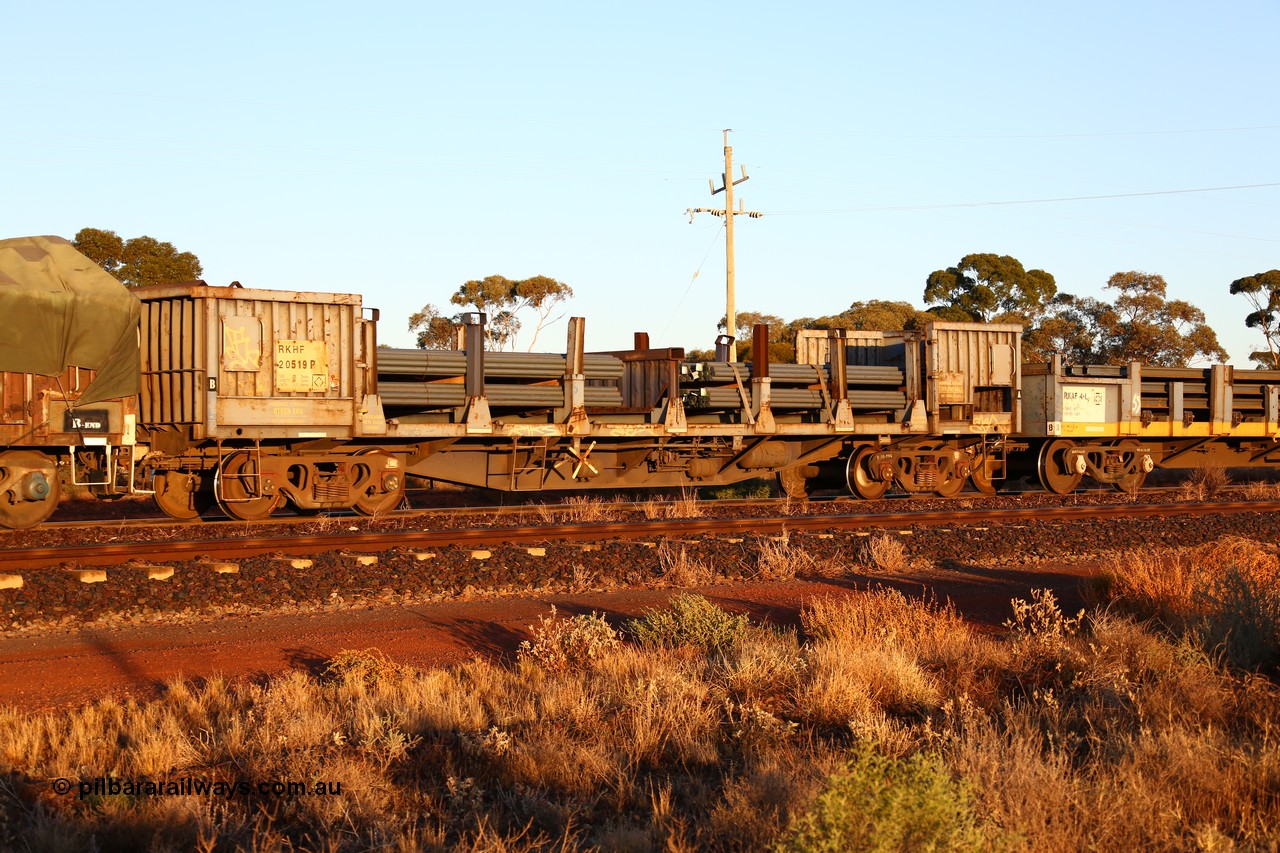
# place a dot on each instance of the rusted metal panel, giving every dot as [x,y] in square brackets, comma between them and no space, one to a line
[40,410]
[13,402]
[862,348]
[971,369]
[647,376]
[231,362]
[283,417]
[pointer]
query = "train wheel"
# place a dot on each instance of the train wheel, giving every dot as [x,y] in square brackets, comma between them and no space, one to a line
[858,476]
[981,477]
[236,489]
[376,494]
[793,483]
[1057,473]
[31,488]
[178,494]
[950,484]
[1134,476]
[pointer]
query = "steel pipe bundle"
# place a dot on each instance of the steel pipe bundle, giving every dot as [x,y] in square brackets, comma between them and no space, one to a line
[497,365]
[445,395]
[722,372]
[792,399]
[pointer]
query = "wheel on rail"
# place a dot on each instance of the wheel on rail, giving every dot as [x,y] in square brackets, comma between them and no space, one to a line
[181,494]
[1135,473]
[981,477]
[29,488]
[793,483]
[378,492]
[1060,470]
[950,483]
[859,478]
[237,488]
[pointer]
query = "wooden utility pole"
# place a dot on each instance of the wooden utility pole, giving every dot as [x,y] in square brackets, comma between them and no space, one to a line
[726,186]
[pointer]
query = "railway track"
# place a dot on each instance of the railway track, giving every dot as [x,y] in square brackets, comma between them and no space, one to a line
[106,554]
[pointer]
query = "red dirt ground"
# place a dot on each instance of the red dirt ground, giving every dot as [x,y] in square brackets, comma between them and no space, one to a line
[57,670]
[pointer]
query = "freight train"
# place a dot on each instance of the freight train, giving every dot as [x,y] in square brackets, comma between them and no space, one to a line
[245,400]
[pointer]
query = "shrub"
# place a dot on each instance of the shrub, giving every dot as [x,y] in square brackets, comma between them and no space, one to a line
[368,666]
[689,620]
[1225,596]
[1243,617]
[881,803]
[563,644]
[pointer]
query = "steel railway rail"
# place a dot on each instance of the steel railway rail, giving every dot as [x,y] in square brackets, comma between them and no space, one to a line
[117,553]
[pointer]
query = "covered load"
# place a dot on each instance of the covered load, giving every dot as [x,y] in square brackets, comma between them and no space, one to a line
[59,309]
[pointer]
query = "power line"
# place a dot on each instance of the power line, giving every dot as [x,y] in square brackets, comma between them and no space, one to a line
[1020,201]
[1075,135]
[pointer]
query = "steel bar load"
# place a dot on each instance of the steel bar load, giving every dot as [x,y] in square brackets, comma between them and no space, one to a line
[497,365]
[793,398]
[722,372]
[443,395]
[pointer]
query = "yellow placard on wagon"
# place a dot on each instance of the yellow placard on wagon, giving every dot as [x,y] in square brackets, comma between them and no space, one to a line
[301,366]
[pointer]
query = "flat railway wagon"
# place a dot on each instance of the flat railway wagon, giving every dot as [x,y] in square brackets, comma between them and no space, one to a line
[251,398]
[246,399]
[287,397]
[1115,424]
[68,378]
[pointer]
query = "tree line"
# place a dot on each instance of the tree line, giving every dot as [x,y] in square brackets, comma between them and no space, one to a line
[1134,321]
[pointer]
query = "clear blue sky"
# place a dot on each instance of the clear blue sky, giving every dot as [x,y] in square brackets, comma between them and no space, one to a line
[398,149]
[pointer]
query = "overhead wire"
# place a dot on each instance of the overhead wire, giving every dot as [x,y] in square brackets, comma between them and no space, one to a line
[1009,202]
[676,310]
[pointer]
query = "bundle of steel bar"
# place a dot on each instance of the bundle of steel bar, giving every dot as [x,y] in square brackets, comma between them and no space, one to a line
[419,363]
[722,372]
[782,399]
[445,395]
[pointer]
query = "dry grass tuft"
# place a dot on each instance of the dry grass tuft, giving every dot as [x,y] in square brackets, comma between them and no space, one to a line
[1260,490]
[877,653]
[779,559]
[1205,483]
[584,509]
[885,552]
[687,505]
[681,570]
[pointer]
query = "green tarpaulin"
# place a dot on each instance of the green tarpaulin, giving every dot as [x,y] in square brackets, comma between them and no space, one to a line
[60,309]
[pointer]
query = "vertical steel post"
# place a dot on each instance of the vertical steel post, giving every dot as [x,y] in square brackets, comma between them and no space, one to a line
[723,342]
[838,361]
[838,380]
[575,384]
[476,416]
[761,406]
[475,323]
